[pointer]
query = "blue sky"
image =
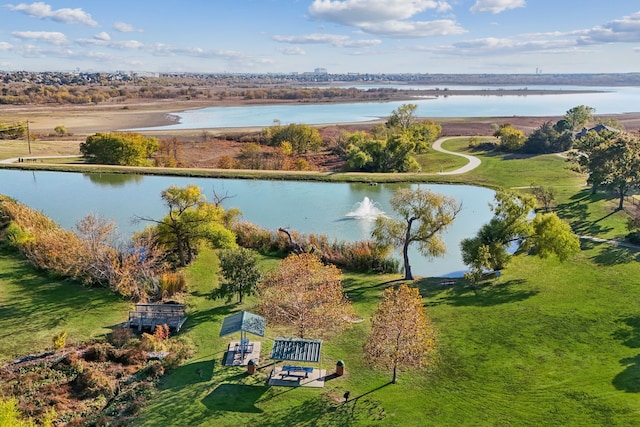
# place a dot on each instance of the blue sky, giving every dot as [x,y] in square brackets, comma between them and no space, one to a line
[359,36]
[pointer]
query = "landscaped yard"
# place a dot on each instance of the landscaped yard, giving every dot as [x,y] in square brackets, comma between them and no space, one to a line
[547,343]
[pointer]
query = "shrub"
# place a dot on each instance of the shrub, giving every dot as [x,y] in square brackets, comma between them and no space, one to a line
[121,336]
[92,382]
[59,340]
[171,283]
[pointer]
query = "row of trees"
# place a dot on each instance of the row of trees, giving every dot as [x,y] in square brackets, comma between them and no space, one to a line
[549,137]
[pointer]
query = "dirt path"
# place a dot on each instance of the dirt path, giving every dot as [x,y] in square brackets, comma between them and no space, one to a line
[474,162]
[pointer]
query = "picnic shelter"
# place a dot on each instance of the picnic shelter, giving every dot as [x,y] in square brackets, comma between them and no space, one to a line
[300,350]
[240,352]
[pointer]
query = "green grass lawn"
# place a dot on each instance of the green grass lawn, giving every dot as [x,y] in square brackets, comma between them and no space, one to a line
[546,344]
[34,307]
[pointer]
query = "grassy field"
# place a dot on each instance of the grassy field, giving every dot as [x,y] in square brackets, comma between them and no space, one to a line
[34,307]
[547,343]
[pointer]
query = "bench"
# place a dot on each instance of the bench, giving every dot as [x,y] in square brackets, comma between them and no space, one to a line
[152,315]
[244,346]
[288,369]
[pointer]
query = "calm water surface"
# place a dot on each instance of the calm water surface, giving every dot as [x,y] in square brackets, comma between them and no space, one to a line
[611,100]
[303,206]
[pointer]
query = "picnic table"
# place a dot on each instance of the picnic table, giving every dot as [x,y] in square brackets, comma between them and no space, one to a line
[289,369]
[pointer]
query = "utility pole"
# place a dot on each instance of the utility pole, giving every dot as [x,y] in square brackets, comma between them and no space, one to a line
[28,137]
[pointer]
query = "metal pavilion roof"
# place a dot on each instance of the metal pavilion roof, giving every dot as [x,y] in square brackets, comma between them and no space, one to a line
[243,322]
[296,350]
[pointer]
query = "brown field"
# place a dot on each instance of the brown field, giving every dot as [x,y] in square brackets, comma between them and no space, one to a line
[81,121]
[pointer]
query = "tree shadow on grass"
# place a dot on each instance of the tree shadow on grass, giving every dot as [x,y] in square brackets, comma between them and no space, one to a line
[212,314]
[487,296]
[629,334]
[629,379]
[330,410]
[235,398]
[362,294]
[577,210]
[615,255]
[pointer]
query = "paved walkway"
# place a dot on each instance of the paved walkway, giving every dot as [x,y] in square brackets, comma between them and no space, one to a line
[34,158]
[474,162]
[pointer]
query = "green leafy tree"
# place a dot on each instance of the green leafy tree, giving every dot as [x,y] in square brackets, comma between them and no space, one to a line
[240,274]
[510,137]
[393,154]
[615,165]
[424,134]
[546,139]
[124,149]
[192,221]
[424,215]
[402,335]
[302,137]
[402,118]
[512,225]
[579,116]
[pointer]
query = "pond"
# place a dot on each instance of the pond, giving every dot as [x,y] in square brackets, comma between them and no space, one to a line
[308,207]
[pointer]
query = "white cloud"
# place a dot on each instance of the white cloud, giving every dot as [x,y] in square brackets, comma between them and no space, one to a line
[293,51]
[389,18]
[5,46]
[625,30]
[496,6]
[330,39]
[357,12]
[102,36]
[123,27]
[52,37]
[414,29]
[43,11]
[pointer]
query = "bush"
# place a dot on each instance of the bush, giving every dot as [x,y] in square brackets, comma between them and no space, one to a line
[59,340]
[121,337]
[92,382]
[171,283]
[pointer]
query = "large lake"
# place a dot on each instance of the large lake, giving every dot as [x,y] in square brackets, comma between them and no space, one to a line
[610,100]
[307,207]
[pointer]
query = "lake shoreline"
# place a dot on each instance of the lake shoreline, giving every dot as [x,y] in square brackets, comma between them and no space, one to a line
[138,114]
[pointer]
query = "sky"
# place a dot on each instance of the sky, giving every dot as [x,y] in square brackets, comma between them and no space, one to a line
[341,36]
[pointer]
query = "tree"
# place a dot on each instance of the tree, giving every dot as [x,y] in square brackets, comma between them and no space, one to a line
[402,335]
[302,137]
[544,195]
[402,118]
[192,221]
[115,148]
[614,164]
[424,215]
[305,294]
[511,225]
[240,274]
[579,116]
[546,139]
[393,153]
[511,138]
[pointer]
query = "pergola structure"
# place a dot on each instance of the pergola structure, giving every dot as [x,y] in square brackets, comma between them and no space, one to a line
[296,350]
[243,322]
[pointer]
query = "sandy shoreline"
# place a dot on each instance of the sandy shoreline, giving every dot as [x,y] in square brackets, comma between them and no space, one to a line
[88,119]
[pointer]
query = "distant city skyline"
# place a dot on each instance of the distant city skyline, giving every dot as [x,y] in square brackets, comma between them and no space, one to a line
[339,36]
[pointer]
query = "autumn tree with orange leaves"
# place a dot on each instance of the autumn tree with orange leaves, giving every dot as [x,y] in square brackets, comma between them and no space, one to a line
[305,294]
[402,335]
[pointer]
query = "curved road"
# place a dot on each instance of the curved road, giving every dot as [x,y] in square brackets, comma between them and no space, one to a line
[474,162]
